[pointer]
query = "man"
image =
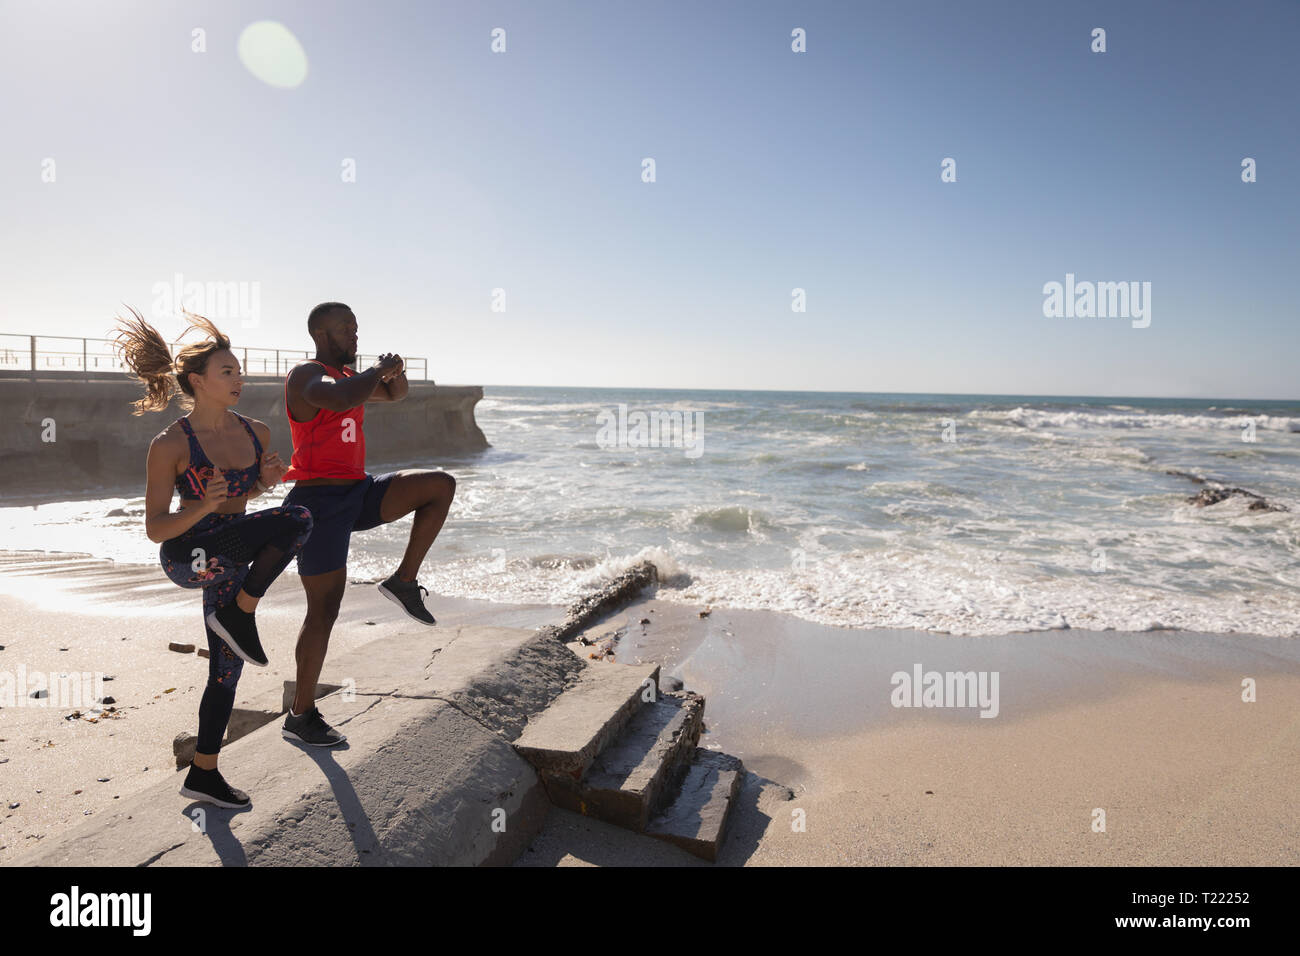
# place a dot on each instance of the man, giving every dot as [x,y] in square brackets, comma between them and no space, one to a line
[325,400]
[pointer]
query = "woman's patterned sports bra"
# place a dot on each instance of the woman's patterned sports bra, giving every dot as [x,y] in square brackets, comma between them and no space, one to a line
[239,481]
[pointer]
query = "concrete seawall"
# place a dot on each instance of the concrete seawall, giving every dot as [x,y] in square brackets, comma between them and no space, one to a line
[99,444]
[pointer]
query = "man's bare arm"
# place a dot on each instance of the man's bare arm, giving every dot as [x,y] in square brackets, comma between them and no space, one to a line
[309,381]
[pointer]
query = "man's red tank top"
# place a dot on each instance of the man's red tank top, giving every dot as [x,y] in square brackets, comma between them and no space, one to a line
[320,448]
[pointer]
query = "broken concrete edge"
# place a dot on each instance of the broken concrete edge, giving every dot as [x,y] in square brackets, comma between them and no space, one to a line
[608,598]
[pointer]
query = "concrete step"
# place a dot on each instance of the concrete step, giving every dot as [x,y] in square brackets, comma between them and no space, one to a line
[566,737]
[697,820]
[628,782]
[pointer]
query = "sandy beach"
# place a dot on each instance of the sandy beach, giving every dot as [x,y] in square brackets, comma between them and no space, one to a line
[1149,727]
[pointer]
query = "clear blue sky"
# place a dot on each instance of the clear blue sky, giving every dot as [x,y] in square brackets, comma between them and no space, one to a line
[775,170]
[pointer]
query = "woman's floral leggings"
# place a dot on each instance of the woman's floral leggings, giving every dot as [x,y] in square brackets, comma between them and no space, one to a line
[214,555]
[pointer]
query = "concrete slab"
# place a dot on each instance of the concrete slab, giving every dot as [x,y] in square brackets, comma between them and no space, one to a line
[697,820]
[567,736]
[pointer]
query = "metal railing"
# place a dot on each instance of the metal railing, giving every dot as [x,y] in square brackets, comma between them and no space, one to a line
[96,357]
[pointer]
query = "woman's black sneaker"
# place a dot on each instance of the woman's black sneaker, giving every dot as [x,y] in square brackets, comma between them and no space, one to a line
[210,787]
[310,728]
[238,628]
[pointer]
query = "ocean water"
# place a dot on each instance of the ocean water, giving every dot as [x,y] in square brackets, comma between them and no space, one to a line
[967,515]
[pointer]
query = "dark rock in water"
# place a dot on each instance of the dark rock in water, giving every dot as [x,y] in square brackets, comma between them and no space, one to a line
[1182,474]
[1214,495]
[1262,505]
[1209,496]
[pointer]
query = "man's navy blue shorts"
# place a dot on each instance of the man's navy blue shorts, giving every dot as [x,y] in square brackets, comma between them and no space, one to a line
[337,511]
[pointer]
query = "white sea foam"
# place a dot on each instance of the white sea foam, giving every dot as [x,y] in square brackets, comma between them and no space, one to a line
[1050,418]
[979,599]
[542,409]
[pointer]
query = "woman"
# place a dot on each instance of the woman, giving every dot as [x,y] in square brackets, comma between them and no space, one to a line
[210,542]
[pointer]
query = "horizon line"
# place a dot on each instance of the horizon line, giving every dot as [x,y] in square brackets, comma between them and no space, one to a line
[809,391]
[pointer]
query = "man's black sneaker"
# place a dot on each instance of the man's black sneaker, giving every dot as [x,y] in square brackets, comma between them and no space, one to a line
[406,595]
[210,787]
[238,628]
[310,728]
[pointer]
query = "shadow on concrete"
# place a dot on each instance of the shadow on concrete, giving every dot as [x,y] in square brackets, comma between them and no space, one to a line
[215,826]
[364,838]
